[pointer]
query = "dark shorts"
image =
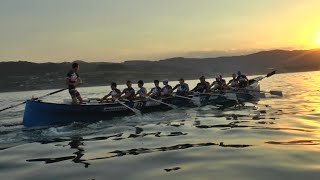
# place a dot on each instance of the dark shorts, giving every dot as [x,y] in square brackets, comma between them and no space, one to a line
[74,93]
[242,84]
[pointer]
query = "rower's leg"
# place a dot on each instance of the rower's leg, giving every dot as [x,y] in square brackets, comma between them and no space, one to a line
[75,100]
[80,99]
[73,94]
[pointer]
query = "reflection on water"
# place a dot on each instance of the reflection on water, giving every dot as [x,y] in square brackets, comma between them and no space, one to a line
[76,143]
[275,138]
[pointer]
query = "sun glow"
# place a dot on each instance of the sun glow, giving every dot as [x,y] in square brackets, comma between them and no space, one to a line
[317,39]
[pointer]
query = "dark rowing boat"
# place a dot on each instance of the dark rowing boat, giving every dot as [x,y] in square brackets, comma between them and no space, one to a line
[38,113]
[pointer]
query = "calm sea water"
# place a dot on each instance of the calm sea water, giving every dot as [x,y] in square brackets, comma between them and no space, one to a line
[277,138]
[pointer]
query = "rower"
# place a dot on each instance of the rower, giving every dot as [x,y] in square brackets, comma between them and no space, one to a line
[202,87]
[114,93]
[73,80]
[219,84]
[166,90]
[156,91]
[233,83]
[182,88]
[242,80]
[129,92]
[142,92]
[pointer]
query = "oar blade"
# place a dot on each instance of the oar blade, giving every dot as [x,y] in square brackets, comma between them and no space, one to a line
[196,100]
[276,93]
[232,96]
[271,73]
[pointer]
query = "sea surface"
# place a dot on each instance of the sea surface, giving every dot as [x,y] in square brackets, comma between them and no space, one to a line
[275,138]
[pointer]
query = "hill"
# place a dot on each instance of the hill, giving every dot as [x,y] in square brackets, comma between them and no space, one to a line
[21,75]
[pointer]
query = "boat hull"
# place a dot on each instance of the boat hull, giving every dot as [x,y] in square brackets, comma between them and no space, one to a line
[39,113]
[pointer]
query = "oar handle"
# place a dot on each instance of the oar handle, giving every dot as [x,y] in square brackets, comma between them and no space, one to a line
[181,97]
[170,105]
[60,90]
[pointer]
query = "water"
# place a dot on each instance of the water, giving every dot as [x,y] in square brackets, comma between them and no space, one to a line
[277,138]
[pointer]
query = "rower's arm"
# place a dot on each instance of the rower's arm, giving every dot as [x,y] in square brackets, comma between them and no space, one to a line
[174,88]
[106,96]
[187,88]
[194,88]
[212,84]
[207,88]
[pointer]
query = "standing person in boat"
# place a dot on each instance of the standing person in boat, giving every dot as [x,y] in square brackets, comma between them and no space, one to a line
[73,80]
[220,84]
[166,90]
[156,91]
[202,87]
[114,93]
[142,92]
[242,80]
[128,93]
[182,88]
[233,83]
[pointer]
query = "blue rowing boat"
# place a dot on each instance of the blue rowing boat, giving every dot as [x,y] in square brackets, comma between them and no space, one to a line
[38,113]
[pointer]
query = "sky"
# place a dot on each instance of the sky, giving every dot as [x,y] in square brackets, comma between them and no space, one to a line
[119,30]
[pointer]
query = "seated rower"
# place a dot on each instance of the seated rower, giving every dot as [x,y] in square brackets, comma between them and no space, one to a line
[142,92]
[202,87]
[242,80]
[219,84]
[156,91]
[166,90]
[114,93]
[128,93]
[182,88]
[233,83]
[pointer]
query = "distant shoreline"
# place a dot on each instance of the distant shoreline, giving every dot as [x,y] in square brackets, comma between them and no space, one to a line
[25,76]
[211,77]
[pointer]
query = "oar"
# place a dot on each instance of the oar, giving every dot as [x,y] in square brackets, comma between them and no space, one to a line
[192,99]
[276,93]
[136,111]
[170,105]
[228,95]
[33,99]
[252,81]
[270,74]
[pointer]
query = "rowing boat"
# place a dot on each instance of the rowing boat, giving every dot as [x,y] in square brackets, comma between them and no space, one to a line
[38,113]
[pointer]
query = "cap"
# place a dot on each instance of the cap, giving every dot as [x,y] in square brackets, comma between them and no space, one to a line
[165,80]
[218,76]
[181,79]
[202,77]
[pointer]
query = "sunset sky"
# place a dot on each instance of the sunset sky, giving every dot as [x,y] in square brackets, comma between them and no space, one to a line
[118,30]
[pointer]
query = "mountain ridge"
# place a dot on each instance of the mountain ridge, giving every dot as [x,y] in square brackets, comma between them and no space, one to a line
[24,75]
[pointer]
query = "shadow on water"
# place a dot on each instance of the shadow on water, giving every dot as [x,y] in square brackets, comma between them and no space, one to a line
[76,143]
[296,142]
